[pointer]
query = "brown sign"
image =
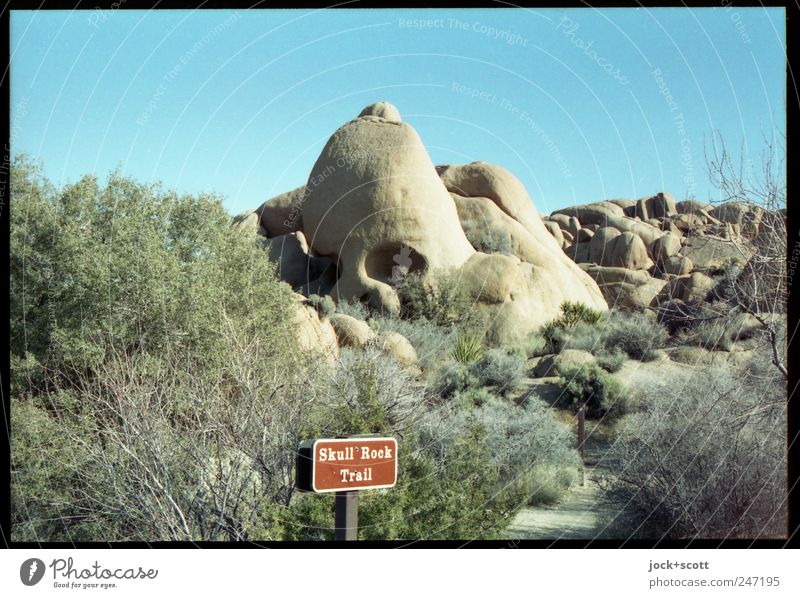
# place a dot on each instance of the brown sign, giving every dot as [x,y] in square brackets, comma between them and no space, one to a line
[339,464]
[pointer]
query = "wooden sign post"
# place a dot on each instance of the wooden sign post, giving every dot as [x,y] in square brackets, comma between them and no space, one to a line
[345,466]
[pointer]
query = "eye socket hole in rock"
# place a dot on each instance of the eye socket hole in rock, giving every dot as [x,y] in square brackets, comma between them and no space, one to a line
[380,263]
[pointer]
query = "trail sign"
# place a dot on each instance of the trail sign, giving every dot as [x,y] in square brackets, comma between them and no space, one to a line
[345,464]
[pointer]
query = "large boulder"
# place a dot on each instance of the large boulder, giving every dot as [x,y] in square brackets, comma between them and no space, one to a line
[518,297]
[659,206]
[677,265]
[312,334]
[562,220]
[351,332]
[623,288]
[690,288]
[376,207]
[247,221]
[383,110]
[691,206]
[293,263]
[665,247]
[628,251]
[374,202]
[485,225]
[600,245]
[282,214]
[397,346]
[480,179]
[600,213]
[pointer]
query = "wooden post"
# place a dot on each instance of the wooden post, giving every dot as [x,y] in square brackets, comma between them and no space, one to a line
[345,515]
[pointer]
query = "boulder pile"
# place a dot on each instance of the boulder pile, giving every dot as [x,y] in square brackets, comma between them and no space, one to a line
[654,251]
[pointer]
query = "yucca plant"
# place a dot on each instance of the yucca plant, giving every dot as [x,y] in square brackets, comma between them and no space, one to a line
[467,349]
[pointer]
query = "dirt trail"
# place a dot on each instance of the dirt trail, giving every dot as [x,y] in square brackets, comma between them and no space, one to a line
[579,515]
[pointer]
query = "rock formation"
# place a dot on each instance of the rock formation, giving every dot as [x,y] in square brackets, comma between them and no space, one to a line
[375,207]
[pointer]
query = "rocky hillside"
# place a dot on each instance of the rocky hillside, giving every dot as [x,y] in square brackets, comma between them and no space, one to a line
[375,208]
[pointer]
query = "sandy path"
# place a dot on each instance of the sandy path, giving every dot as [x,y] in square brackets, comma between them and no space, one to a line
[579,515]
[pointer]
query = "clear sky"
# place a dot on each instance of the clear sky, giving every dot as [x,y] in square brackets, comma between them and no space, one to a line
[580,104]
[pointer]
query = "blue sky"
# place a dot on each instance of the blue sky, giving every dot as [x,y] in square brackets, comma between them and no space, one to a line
[580,104]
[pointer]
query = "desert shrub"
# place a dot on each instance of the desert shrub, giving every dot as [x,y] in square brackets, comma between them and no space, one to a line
[137,325]
[98,268]
[635,334]
[603,395]
[500,367]
[556,331]
[474,397]
[573,313]
[547,483]
[491,241]
[325,306]
[467,349]
[452,377]
[713,335]
[611,361]
[502,450]
[353,308]
[440,298]
[432,343]
[368,393]
[582,336]
[707,458]
[533,345]
[718,329]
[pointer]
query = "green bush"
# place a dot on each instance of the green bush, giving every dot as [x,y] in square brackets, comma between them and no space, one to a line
[491,241]
[474,397]
[611,361]
[572,314]
[440,298]
[635,334]
[325,306]
[95,269]
[533,345]
[432,343]
[583,337]
[590,385]
[353,308]
[718,332]
[467,350]
[500,367]
[453,377]
[546,483]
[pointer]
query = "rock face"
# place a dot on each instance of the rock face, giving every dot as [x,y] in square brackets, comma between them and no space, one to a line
[282,214]
[374,207]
